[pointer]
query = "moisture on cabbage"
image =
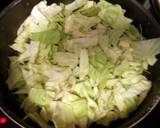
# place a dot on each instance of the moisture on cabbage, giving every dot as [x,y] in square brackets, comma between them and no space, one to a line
[80,63]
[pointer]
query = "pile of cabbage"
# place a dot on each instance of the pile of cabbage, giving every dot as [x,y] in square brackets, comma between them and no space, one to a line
[80,63]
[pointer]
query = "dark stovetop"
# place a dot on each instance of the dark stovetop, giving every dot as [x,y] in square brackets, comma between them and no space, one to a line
[152,121]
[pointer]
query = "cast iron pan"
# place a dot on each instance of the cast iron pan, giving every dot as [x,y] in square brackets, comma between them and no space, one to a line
[12,17]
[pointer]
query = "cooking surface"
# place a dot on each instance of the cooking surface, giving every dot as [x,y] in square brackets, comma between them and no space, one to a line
[5,122]
[152,121]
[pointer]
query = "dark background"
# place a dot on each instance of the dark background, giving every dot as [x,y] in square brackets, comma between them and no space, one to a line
[3,3]
[152,121]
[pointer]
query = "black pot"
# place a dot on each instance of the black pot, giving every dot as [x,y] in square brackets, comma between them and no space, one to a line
[12,17]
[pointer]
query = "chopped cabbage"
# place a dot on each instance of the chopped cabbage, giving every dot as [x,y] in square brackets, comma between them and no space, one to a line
[80,63]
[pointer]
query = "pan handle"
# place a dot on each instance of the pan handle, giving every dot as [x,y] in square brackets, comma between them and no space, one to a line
[153,6]
[156,8]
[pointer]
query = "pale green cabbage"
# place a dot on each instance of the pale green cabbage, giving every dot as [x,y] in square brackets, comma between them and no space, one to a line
[80,63]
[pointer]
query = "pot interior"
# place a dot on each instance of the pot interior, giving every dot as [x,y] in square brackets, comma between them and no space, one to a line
[15,14]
